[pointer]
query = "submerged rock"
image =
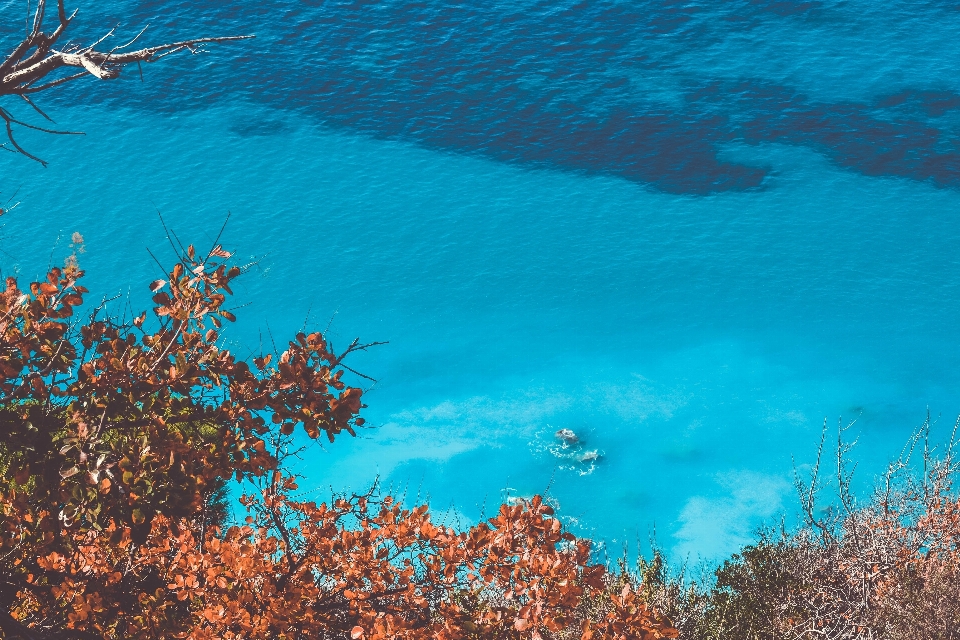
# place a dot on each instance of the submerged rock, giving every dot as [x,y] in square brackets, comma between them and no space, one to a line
[590,456]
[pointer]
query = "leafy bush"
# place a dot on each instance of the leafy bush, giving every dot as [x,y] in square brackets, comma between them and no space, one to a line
[118,436]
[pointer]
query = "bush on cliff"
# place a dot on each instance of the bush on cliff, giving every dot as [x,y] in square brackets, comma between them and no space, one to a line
[117,434]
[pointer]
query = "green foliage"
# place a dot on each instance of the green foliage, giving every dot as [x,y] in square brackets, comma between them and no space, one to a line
[749,596]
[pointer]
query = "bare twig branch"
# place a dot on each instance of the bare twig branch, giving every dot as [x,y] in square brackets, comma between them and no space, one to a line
[35,60]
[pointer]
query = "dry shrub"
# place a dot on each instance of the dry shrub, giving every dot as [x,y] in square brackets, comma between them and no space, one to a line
[885,568]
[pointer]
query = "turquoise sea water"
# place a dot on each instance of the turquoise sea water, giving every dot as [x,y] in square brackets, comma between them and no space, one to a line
[689,232]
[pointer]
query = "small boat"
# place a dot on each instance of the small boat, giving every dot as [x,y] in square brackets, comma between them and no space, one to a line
[567,436]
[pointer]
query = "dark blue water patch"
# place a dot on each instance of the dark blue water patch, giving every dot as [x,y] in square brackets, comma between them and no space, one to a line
[255,126]
[755,11]
[561,85]
[788,7]
[932,103]
[848,133]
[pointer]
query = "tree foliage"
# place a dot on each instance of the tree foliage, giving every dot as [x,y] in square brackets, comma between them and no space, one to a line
[117,433]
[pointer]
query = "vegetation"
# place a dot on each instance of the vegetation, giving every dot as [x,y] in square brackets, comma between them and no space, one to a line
[121,436]
[887,568]
[118,434]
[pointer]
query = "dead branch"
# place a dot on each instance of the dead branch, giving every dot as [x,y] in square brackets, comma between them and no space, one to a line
[35,64]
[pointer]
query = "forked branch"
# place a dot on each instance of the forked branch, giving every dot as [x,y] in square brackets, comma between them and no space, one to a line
[36,64]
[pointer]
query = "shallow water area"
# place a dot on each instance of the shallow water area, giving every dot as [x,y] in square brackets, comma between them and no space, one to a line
[692,328]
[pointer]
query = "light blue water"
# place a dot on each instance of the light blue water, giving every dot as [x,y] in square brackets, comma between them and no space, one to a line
[687,231]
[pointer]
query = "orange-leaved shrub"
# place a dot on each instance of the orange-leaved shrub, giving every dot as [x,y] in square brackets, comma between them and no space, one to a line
[119,435]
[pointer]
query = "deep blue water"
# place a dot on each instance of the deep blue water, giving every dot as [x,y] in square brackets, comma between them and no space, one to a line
[688,231]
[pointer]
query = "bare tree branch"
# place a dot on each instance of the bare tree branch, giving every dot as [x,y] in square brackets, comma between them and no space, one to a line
[32,66]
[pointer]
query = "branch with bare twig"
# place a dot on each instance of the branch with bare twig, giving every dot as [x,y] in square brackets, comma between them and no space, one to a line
[35,65]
